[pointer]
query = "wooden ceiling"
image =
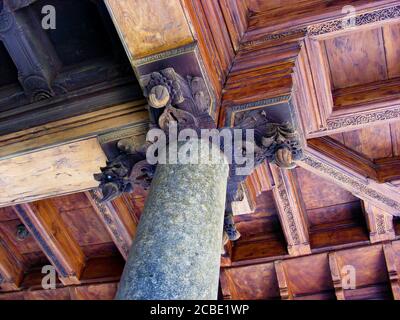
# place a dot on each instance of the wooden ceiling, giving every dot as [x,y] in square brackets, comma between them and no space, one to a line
[87,242]
[300,227]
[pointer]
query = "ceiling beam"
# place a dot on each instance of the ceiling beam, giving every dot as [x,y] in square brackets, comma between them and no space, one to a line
[31,50]
[50,172]
[45,224]
[392,267]
[336,276]
[380,224]
[291,211]
[117,219]
[11,270]
[384,196]
[283,283]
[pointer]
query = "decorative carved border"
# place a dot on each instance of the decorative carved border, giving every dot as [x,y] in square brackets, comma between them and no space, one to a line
[109,220]
[322,28]
[279,36]
[357,187]
[132,131]
[363,118]
[232,111]
[294,233]
[360,20]
[192,47]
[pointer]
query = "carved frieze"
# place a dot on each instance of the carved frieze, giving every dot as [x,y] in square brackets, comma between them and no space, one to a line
[359,20]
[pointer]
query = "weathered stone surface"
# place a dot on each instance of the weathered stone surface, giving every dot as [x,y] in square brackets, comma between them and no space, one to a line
[176,252]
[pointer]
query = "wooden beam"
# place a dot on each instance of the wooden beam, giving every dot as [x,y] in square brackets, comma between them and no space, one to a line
[393,269]
[45,224]
[150,27]
[117,218]
[50,172]
[284,19]
[283,283]
[346,157]
[31,50]
[384,196]
[224,284]
[11,270]
[131,116]
[218,27]
[291,211]
[380,224]
[336,276]
[381,170]
[388,169]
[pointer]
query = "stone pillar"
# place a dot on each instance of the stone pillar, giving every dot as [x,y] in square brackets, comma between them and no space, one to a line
[176,252]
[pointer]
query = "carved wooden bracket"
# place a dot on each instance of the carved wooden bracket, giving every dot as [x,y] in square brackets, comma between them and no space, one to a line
[185,101]
[30,49]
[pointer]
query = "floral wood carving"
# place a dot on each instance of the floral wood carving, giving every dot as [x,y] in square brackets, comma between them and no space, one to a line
[121,174]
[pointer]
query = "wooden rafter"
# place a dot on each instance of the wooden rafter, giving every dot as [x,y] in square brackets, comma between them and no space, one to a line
[11,270]
[384,196]
[380,224]
[45,224]
[291,211]
[117,219]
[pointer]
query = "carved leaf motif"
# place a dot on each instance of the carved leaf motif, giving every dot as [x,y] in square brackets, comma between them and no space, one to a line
[142,174]
[183,119]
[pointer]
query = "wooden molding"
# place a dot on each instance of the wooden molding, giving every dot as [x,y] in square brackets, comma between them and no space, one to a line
[384,196]
[284,289]
[380,224]
[106,121]
[388,169]
[291,211]
[393,269]
[45,224]
[236,14]
[315,19]
[381,170]
[11,271]
[343,155]
[336,276]
[217,31]
[60,170]
[117,219]
[142,24]
[258,182]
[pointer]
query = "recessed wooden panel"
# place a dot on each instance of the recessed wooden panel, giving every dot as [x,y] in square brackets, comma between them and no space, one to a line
[357,58]
[256,282]
[318,192]
[391,34]
[29,245]
[149,27]
[308,275]
[59,170]
[85,226]
[373,142]
[369,264]
[330,215]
